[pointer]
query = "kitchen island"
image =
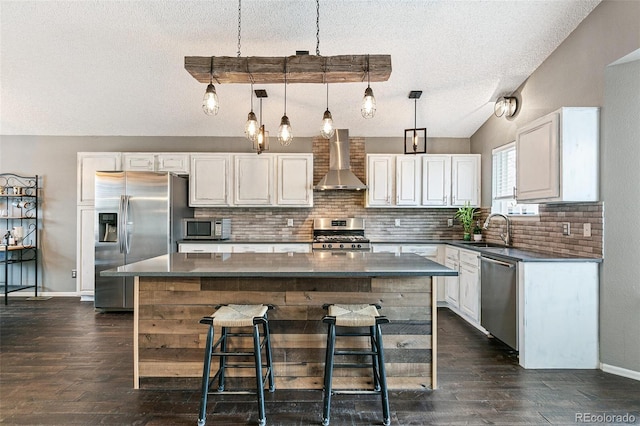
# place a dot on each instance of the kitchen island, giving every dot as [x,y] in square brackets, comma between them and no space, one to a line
[172,293]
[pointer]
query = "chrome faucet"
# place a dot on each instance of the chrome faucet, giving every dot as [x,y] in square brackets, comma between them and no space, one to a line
[506,237]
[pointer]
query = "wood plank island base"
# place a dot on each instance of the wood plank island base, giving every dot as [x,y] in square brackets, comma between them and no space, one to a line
[172,293]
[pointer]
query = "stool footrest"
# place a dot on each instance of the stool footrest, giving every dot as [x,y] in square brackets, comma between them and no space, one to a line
[355,392]
[355,353]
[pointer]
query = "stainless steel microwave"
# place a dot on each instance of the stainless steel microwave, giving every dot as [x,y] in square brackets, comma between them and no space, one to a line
[206,228]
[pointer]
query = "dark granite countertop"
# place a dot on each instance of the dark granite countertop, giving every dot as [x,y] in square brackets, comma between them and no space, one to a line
[494,250]
[316,264]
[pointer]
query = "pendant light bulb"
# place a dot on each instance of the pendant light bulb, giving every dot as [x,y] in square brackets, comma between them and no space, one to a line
[368,108]
[252,127]
[210,103]
[285,135]
[327,130]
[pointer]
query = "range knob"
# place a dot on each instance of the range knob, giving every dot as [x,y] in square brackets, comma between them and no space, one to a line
[359,245]
[329,245]
[353,245]
[341,245]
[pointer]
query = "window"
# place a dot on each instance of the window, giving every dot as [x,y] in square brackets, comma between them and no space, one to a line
[503,178]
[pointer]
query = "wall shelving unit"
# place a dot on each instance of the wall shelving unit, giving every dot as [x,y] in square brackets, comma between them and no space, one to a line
[19,218]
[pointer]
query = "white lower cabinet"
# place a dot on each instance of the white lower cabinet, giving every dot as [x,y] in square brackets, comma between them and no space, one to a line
[470,285]
[186,247]
[86,252]
[452,284]
[385,248]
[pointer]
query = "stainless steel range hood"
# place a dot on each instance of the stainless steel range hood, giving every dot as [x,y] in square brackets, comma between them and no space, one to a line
[340,176]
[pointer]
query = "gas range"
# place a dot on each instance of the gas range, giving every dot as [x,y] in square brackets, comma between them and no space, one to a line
[340,234]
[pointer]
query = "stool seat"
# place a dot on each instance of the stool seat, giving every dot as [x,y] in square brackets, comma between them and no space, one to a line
[238,315]
[354,315]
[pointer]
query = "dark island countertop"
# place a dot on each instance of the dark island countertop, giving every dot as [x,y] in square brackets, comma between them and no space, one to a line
[315,264]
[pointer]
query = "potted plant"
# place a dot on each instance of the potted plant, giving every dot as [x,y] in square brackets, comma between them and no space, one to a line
[477,232]
[466,216]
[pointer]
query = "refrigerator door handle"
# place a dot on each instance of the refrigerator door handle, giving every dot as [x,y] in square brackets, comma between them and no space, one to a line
[127,246]
[121,224]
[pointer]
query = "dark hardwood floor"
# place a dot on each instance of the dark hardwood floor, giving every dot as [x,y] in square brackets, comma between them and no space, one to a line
[61,363]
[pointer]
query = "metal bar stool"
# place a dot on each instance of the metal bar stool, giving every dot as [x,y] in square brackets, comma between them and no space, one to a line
[234,316]
[350,316]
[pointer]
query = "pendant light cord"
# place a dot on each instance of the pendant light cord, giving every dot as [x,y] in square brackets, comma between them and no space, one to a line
[415,114]
[211,72]
[368,79]
[317,27]
[285,85]
[239,22]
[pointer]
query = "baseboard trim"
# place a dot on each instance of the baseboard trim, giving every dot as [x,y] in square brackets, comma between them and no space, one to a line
[47,294]
[619,371]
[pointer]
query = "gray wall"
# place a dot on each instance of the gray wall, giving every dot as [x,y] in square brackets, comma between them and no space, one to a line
[620,286]
[574,75]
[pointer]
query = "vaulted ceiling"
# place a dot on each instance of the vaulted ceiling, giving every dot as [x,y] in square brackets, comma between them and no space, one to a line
[117,67]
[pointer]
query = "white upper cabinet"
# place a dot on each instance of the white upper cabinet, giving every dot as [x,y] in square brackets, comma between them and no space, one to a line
[295,180]
[557,157]
[150,162]
[465,180]
[88,164]
[423,180]
[380,177]
[209,180]
[173,162]
[140,162]
[436,180]
[253,180]
[408,180]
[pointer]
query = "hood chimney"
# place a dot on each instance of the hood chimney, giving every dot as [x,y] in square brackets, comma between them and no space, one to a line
[340,176]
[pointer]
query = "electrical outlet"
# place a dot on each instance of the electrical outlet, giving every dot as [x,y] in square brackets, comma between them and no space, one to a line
[586,230]
[566,228]
[397,222]
[74,273]
[450,223]
[289,222]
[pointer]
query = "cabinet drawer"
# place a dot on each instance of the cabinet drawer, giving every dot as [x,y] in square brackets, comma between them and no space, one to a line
[198,248]
[470,258]
[425,251]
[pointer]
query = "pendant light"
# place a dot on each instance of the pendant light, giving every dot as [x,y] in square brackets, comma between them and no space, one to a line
[285,134]
[368,108]
[261,142]
[210,103]
[415,140]
[327,130]
[252,127]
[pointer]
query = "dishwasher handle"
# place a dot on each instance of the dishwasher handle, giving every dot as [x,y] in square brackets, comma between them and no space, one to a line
[497,262]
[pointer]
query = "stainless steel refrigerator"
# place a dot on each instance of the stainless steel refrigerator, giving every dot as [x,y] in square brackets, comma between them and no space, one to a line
[138,216]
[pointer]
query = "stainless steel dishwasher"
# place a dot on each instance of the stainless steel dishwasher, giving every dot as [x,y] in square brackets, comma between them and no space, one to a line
[499,299]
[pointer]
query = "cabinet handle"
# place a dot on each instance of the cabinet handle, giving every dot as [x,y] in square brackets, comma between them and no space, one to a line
[445,200]
[453,200]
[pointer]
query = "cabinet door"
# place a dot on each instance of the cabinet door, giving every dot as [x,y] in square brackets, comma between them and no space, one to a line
[380,176]
[385,248]
[295,180]
[252,248]
[88,164]
[538,160]
[176,163]
[465,180]
[470,291]
[436,180]
[253,180]
[141,162]
[198,248]
[451,287]
[408,180]
[86,252]
[209,180]
[292,248]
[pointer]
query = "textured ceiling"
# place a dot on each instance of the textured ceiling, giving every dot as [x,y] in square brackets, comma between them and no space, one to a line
[117,67]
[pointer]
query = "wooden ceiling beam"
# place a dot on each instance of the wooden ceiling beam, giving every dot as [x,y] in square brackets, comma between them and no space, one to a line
[300,69]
